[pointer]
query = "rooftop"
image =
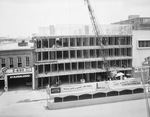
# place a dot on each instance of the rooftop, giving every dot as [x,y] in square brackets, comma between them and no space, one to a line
[14,46]
[60,30]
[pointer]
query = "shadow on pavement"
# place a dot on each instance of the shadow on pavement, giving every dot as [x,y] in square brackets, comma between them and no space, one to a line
[1,92]
[28,100]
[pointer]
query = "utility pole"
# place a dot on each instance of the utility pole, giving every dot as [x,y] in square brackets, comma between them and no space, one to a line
[145,94]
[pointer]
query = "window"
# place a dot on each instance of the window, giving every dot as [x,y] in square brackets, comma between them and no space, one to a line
[59,54]
[144,43]
[27,61]
[72,42]
[92,53]
[79,41]
[85,41]
[67,66]
[44,43]
[61,67]
[92,40]
[38,43]
[54,67]
[65,42]
[19,62]
[72,54]
[3,64]
[79,53]
[52,55]
[45,55]
[65,54]
[74,66]
[86,53]
[39,56]
[87,65]
[110,40]
[51,42]
[11,62]
[129,40]
[81,65]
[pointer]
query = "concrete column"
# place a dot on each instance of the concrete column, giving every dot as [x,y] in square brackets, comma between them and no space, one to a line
[33,78]
[49,81]
[69,79]
[36,83]
[41,55]
[41,82]
[48,42]
[6,83]
[43,68]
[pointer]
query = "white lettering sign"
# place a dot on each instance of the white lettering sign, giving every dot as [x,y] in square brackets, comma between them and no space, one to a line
[102,86]
[79,87]
[123,83]
[21,76]
[20,70]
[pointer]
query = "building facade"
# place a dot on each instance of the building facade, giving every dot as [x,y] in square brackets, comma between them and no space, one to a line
[16,64]
[68,59]
[137,22]
[141,38]
[141,46]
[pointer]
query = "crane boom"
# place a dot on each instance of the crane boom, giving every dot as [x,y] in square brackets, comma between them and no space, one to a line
[97,33]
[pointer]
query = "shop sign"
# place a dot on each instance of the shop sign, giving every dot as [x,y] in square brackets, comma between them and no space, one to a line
[22,70]
[16,70]
[79,87]
[20,76]
[123,83]
[55,90]
[102,86]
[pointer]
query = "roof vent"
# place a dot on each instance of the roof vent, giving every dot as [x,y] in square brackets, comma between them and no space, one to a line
[23,43]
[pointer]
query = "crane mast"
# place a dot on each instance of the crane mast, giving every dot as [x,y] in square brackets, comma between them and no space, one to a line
[97,33]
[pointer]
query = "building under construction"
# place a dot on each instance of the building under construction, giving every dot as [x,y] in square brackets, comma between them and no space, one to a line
[68,59]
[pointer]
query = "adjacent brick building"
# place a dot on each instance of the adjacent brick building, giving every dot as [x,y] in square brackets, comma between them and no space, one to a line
[17,60]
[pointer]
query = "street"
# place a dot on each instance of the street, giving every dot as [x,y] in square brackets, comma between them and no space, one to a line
[31,103]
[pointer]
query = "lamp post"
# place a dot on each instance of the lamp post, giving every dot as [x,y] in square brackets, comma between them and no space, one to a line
[5,79]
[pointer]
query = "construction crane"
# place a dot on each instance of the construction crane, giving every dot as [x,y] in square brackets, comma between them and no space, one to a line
[97,33]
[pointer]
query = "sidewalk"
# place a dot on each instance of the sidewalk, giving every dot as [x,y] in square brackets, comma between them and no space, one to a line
[1,92]
[23,103]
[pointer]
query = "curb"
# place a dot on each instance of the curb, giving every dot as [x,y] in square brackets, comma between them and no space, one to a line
[1,92]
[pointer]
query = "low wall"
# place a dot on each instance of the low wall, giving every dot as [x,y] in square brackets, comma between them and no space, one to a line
[102,100]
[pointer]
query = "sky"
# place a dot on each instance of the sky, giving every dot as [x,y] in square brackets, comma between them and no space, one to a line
[21,18]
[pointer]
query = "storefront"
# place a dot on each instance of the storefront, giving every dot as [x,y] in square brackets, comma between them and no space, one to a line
[19,77]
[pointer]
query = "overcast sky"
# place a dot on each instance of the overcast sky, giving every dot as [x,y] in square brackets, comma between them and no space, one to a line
[23,17]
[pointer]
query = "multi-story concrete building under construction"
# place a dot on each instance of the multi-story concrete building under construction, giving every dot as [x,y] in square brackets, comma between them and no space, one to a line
[68,59]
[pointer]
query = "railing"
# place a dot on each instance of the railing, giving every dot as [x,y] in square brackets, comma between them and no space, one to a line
[97,95]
